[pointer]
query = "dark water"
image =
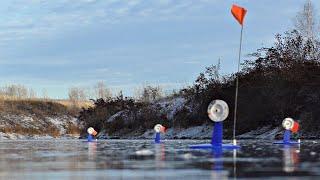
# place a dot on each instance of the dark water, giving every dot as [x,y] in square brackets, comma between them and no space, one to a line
[141,159]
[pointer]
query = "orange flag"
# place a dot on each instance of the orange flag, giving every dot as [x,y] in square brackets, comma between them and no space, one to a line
[295,127]
[238,13]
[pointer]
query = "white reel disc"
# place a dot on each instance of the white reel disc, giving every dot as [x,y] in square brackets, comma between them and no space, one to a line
[157,128]
[288,123]
[90,130]
[218,110]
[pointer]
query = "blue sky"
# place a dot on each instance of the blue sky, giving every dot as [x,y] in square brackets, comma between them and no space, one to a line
[56,44]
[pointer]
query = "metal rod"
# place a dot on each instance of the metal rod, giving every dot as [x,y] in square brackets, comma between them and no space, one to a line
[237,89]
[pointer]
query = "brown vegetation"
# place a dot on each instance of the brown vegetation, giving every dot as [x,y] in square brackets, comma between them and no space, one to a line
[39,110]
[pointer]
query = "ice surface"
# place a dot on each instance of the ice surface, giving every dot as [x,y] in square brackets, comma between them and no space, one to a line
[142,159]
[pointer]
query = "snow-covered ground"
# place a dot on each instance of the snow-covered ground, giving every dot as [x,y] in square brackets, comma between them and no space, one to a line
[30,127]
[172,106]
[266,132]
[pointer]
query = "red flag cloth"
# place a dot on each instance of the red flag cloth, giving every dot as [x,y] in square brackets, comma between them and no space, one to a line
[295,127]
[238,13]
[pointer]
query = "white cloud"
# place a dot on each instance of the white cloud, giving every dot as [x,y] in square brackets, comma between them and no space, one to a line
[42,18]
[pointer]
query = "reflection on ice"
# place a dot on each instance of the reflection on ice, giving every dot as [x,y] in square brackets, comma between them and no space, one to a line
[290,158]
[218,171]
[92,150]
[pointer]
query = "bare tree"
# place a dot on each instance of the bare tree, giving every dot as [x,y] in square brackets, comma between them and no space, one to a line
[82,94]
[2,91]
[149,93]
[22,91]
[11,90]
[45,93]
[16,90]
[77,94]
[306,22]
[102,91]
[32,94]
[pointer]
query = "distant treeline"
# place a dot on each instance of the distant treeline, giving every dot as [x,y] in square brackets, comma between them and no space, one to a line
[17,91]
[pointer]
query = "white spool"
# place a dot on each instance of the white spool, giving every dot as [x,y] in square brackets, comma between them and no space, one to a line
[218,110]
[90,130]
[158,128]
[288,123]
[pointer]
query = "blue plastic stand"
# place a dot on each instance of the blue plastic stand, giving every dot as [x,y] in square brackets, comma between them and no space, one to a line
[90,138]
[157,138]
[286,139]
[216,140]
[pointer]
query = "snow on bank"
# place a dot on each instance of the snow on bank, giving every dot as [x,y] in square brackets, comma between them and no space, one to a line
[116,115]
[172,106]
[205,132]
[15,136]
[266,132]
[62,122]
[30,127]
[169,107]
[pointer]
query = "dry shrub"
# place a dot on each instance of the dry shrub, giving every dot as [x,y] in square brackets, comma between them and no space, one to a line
[72,129]
[53,131]
[38,109]
[21,130]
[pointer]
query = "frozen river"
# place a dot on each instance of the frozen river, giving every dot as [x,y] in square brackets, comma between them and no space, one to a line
[142,159]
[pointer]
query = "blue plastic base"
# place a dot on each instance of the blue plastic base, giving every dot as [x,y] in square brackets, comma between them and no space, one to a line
[157,139]
[216,140]
[287,143]
[286,139]
[89,138]
[210,146]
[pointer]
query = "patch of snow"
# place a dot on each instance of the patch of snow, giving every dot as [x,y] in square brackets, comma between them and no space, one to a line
[144,152]
[40,137]
[3,136]
[15,136]
[149,134]
[61,122]
[10,122]
[266,132]
[113,117]
[172,106]
[200,132]
[188,156]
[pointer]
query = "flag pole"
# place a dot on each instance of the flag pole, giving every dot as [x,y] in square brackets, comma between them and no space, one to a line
[236,93]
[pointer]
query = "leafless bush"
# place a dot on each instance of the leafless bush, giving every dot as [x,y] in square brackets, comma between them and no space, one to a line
[76,95]
[306,21]
[16,90]
[149,93]
[102,91]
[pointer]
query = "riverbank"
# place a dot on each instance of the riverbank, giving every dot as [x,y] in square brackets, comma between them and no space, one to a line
[36,119]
